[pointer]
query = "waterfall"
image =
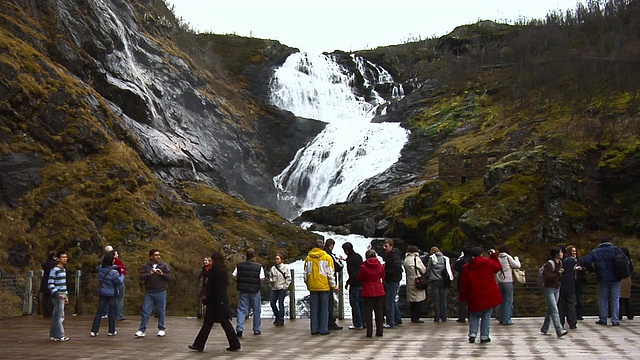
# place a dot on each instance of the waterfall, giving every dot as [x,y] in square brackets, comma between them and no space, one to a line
[351,149]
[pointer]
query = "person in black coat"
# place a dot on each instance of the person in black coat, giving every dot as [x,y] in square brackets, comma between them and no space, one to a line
[217,306]
[463,313]
[47,304]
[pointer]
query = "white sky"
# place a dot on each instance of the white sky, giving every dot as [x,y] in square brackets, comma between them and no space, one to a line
[349,25]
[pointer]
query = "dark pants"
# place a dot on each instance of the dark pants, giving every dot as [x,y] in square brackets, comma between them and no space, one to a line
[107,304]
[567,309]
[47,305]
[463,313]
[374,305]
[625,303]
[579,302]
[415,310]
[205,330]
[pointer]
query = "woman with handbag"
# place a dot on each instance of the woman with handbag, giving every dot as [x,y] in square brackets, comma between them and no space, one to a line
[414,268]
[279,281]
[505,283]
[108,280]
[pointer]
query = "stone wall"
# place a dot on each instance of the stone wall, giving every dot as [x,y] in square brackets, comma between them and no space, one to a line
[456,168]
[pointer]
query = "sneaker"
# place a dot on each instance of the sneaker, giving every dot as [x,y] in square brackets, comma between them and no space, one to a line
[601,322]
[105,316]
[113,333]
[545,332]
[563,333]
[162,333]
[484,341]
[92,334]
[140,334]
[239,333]
[472,339]
[387,326]
[257,332]
[615,324]
[64,338]
[52,338]
[573,327]
[352,327]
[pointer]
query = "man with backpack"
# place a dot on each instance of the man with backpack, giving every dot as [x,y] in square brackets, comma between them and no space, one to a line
[603,261]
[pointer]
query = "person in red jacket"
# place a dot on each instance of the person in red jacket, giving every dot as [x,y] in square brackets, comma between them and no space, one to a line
[480,290]
[373,296]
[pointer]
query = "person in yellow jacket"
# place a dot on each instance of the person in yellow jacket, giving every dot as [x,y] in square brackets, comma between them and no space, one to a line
[318,275]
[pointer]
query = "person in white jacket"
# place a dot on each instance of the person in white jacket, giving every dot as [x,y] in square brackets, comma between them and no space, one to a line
[505,283]
[279,279]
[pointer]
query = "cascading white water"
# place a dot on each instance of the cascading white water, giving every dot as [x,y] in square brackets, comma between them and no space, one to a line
[350,149]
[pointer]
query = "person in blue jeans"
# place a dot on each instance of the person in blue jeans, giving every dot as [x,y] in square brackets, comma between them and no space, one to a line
[156,276]
[552,274]
[354,286]
[249,275]
[505,283]
[392,276]
[108,280]
[319,278]
[279,279]
[601,260]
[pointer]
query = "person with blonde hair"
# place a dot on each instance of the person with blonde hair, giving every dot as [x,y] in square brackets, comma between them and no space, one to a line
[438,266]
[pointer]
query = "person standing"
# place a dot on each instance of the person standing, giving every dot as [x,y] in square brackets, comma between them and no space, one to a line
[156,275]
[438,265]
[47,304]
[625,293]
[319,277]
[279,280]
[478,288]
[567,298]
[248,275]
[217,306]
[371,275]
[601,261]
[329,244]
[59,296]
[108,280]
[414,268]
[464,257]
[581,284]
[505,284]
[202,276]
[552,273]
[354,286]
[392,277]
[122,270]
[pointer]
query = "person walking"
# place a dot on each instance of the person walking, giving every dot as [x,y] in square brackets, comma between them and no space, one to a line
[437,266]
[354,286]
[249,275]
[392,277]
[217,306]
[47,265]
[279,280]
[371,275]
[478,288]
[59,296]
[414,268]
[552,274]
[601,260]
[567,298]
[319,277]
[505,284]
[122,269]
[108,280]
[156,276]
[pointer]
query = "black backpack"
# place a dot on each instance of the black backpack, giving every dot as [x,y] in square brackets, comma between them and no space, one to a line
[622,266]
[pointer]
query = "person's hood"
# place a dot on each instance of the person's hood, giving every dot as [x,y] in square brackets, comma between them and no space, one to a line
[478,262]
[411,254]
[503,255]
[317,253]
[372,263]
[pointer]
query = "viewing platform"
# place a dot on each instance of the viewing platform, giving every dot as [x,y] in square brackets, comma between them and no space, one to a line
[26,337]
